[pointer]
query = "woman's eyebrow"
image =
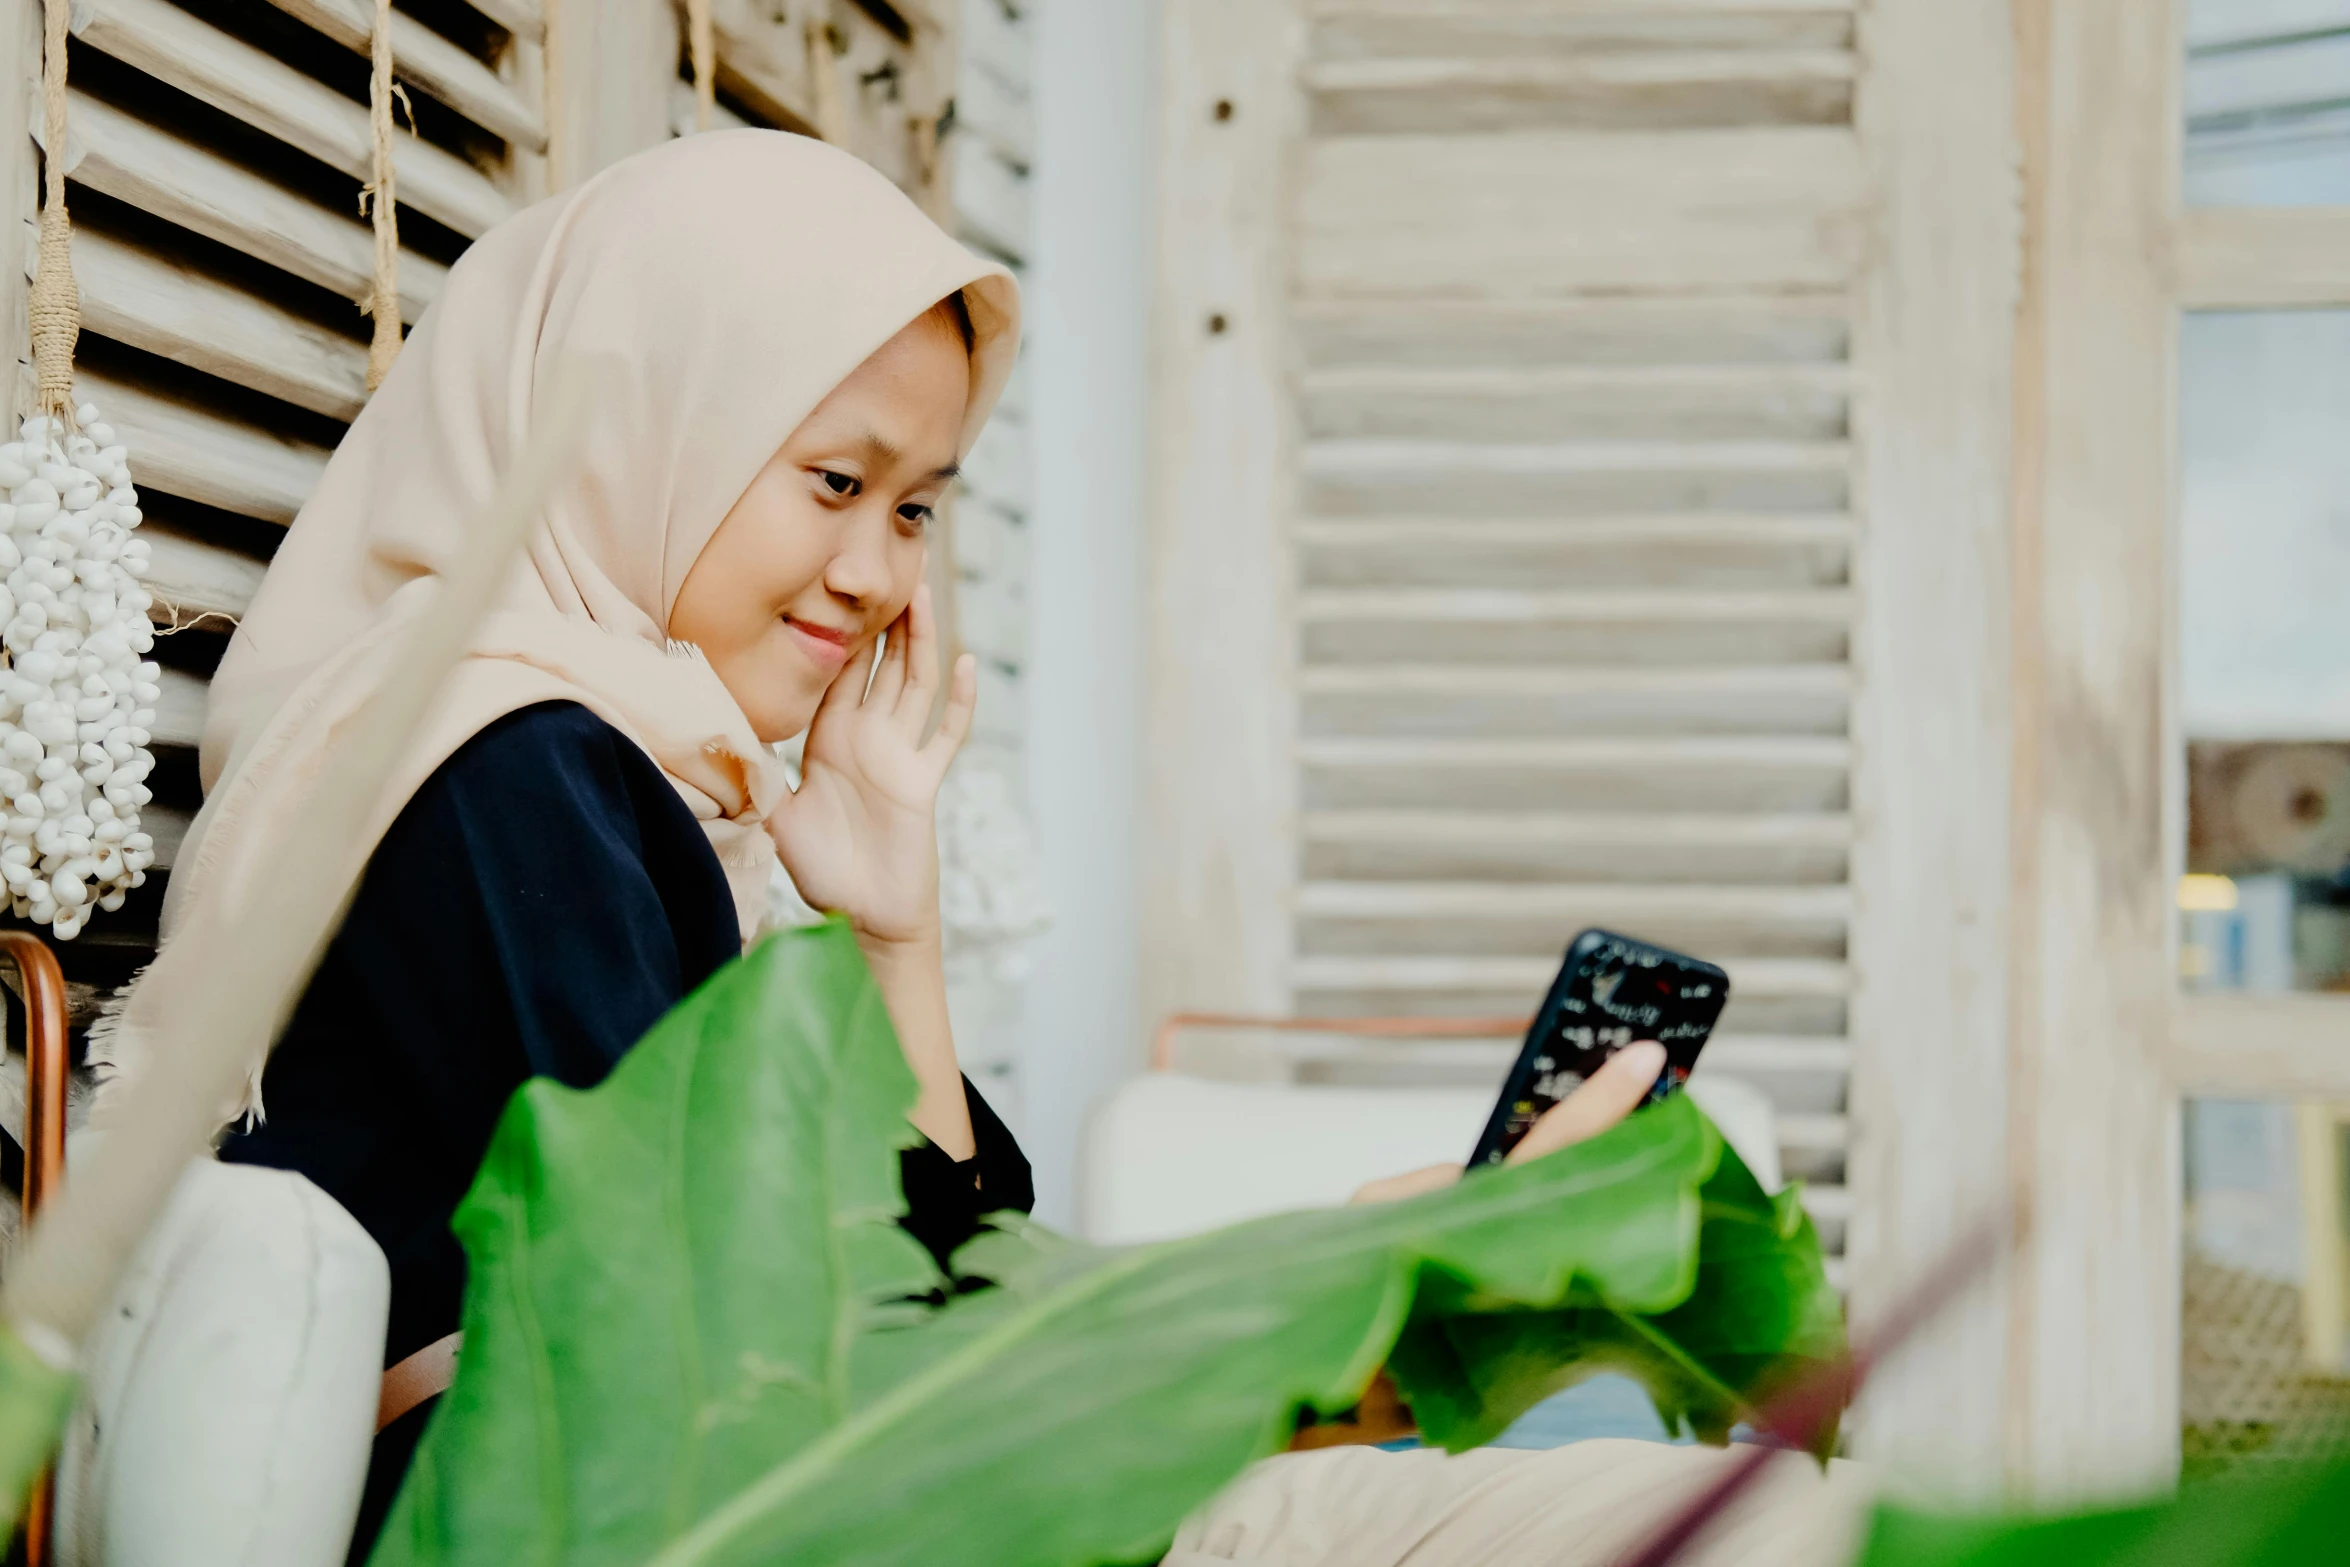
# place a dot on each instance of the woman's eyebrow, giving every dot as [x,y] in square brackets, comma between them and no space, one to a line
[883,452]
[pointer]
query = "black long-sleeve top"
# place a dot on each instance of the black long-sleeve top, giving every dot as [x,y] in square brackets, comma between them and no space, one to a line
[540,902]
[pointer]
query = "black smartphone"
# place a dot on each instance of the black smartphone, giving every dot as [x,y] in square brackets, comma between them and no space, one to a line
[1611,991]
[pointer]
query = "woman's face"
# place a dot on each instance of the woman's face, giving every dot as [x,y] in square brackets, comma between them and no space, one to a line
[826,547]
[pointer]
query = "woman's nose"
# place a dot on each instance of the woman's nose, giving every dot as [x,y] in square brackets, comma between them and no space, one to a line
[859,569]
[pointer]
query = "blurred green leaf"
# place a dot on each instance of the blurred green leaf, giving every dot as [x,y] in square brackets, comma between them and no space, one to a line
[689,1336]
[35,1398]
[2294,1518]
[1762,1313]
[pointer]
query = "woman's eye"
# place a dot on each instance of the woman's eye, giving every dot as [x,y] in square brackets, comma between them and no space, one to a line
[840,484]
[915,516]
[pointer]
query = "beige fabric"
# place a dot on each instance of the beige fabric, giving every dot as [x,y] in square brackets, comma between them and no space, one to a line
[1583,1505]
[734,279]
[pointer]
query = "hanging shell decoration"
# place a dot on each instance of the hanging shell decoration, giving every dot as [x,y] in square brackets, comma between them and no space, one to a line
[78,696]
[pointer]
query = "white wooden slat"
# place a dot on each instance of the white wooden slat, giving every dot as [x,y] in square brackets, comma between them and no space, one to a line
[169,828]
[1449,9]
[1410,217]
[1730,1053]
[2249,21]
[1215,863]
[1612,89]
[181,449]
[1396,26]
[1495,700]
[1698,550]
[2284,75]
[1823,1133]
[762,62]
[183,183]
[1632,331]
[523,18]
[1661,774]
[1680,403]
[2281,1047]
[1934,1041]
[994,625]
[997,469]
[1489,626]
[683,110]
[1528,977]
[1421,919]
[994,39]
[195,578]
[989,109]
[1001,717]
[155,302]
[1461,845]
[1577,69]
[2264,257]
[990,540]
[1518,479]
[185,52]
[179,711]
[1826,606]
[1373,987]
[430,63]
[991,198]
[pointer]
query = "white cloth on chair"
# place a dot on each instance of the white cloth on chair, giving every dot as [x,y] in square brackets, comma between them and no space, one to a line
[228,1405]
[1587,1505]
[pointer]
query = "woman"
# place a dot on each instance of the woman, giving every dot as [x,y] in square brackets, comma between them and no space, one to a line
[594,820]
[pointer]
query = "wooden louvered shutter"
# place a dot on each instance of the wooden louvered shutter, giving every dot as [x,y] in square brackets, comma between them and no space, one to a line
[1502,566]
[215,157]
[214,160]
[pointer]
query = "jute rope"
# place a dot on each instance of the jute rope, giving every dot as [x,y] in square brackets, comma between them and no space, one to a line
[702,41]
[379,199]
[55,304]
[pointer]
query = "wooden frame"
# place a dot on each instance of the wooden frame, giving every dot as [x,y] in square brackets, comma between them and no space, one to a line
[1933,353]
[1217,869]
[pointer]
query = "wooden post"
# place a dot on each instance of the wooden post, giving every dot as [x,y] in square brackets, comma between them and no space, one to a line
[20,187]
[2093,1121]
[618,61]
[1219,840]
[1932,354]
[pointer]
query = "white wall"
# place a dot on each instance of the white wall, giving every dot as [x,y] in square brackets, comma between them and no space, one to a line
[1089,286]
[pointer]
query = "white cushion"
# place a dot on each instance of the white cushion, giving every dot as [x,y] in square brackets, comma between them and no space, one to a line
[1172,1155]
[229,1399]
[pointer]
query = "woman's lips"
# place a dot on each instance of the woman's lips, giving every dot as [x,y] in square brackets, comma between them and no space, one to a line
[826,646]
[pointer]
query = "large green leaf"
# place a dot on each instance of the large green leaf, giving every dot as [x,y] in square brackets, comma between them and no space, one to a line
[1762,1312]
[687,1336]
[2290,1519]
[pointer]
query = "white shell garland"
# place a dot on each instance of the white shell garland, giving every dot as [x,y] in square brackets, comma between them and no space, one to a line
[76,696]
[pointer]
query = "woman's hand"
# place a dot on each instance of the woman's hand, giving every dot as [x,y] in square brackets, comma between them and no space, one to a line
[859,837]
[1606,1097]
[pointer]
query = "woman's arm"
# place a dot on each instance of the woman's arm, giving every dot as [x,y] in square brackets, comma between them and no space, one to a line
[913,981]
[859,837]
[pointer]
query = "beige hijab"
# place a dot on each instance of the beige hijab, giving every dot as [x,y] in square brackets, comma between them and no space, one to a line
[731,280]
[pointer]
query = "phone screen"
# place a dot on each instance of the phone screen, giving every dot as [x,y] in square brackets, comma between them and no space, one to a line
[1611,991]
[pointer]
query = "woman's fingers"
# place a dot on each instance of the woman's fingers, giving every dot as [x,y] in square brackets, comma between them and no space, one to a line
[1395,1188]
[1606,1097]
[890,679]
[954,725]
[848,687]
[913,703]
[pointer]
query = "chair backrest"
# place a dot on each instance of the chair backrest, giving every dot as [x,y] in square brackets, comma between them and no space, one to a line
[1170,1154]
[229,1400]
